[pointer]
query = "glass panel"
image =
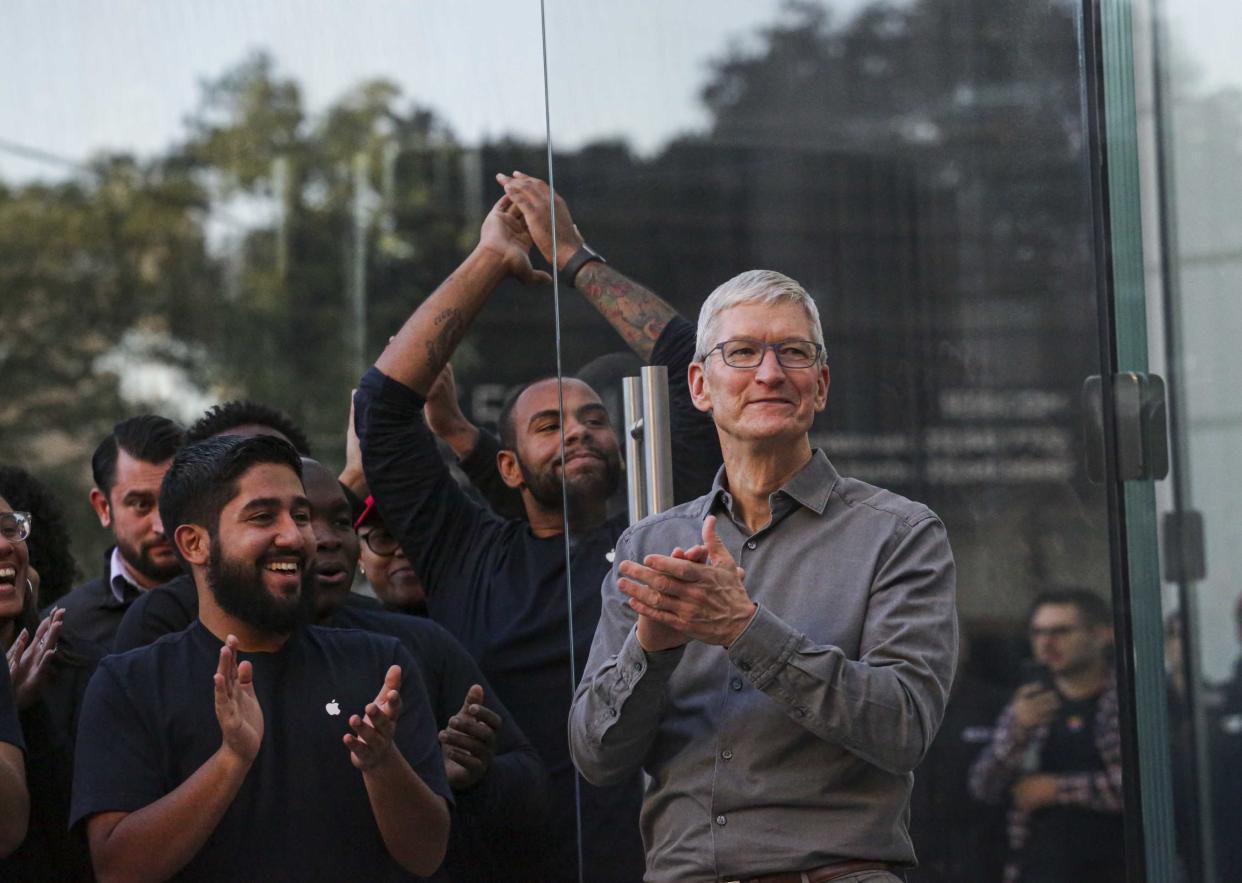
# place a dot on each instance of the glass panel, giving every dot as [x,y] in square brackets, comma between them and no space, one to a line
[201,203]
[1188,85]
[922,169]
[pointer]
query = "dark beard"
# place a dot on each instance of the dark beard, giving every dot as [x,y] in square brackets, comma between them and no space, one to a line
[140,561]
[239,590]
[545,486]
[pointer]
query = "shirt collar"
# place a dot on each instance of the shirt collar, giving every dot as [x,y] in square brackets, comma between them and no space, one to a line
[121,580]
[810,487]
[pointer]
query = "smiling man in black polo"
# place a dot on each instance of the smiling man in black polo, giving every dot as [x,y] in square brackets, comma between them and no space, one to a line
[313,757]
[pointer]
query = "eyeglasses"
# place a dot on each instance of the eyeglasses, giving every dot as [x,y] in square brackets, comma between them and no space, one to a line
[742,352]
[381,542]
[15,526]
[1056,631]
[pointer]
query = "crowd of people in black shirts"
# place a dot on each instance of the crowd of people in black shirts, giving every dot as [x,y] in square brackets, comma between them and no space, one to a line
[222,703]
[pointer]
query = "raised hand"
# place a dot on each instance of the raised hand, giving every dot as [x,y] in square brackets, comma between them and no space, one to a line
[504,233]
[30,659]
[700,600]
[530,195]
[469,741]
[237,707]
[370,743]
[352,475]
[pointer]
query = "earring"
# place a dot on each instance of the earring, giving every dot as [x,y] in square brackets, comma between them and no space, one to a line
[29,594]
[362,569]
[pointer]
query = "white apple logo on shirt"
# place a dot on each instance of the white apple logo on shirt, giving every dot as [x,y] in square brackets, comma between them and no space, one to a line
[332,708]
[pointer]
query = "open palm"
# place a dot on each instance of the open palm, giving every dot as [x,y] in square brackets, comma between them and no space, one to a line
[237,707]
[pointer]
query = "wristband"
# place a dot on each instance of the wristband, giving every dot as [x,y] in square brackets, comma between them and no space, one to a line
[581,258]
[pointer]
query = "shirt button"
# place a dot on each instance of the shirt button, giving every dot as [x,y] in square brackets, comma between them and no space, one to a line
[638,667]
[744,665]
[736,683]
[801,712]
[720,820]
[612,712]
[727,754]
[752,545]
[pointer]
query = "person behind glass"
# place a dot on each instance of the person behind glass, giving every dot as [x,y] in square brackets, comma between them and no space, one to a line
[127,468]
[387,569]
[251,745]
[776,654]
[501,585]
[1055,755]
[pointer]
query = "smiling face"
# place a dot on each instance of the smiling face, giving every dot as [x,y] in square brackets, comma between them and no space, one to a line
[260,555]
[396,583]
[766,403]
[130,510]
[336,543]
[14,561]
[592,465]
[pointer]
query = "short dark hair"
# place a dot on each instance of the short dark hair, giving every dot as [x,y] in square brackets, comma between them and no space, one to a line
[147,437]
[48,543]
[203,477]
[1093,609]
[218,419]
[505,427]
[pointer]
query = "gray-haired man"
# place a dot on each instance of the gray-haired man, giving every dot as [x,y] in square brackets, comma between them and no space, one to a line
[778,653]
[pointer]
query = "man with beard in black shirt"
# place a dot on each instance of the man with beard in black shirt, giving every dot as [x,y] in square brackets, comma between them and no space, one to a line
[296,769]
[1056,751]
[501,586]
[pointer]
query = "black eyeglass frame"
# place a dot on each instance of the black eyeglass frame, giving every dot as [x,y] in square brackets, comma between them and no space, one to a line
[383,553]
[763,348]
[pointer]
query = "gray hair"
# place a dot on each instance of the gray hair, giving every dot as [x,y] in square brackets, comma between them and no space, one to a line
[752,287]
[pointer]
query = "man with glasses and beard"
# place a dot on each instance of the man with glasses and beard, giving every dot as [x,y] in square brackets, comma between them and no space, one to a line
[501,586]
[293,766]
[1055,754]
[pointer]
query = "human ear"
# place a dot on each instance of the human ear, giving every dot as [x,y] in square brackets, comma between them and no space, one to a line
[510,471]
[194,543]
[99,502]
[821,387]
[696,379]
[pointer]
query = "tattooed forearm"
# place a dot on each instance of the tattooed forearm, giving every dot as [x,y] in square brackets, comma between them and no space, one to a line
[638,314]
[450,327]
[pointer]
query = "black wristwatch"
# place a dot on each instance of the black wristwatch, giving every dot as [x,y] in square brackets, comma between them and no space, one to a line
[581,258]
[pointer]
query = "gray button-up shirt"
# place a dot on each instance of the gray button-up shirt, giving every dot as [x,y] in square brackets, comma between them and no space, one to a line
[793,748]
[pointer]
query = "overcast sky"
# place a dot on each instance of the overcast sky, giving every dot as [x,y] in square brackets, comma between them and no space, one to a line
[80,76]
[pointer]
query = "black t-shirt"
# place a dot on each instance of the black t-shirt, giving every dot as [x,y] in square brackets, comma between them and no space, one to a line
[1066,841]
[497,823]
[10,727]
[148,723]
[506,594]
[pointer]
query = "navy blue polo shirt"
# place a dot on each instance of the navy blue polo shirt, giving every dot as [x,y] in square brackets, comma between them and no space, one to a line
[149,722]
